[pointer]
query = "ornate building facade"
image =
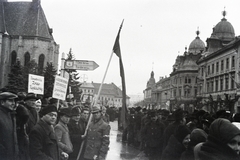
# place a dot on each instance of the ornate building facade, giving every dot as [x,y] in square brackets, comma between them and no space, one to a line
[204,75]
[25,35]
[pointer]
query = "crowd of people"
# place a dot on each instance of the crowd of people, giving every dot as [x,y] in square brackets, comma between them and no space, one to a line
[180,135]
[36,129]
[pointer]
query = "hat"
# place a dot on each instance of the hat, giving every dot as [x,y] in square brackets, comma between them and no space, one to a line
[178,114]
[95,109]
[165,112]
[30,96]
[152,114]
[138,109]
[75,111]
[48,109]
[38,102]
[197,136]
[7,95]
[65,112]
[21,95]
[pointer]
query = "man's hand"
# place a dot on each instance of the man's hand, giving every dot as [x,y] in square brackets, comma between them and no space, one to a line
[64,156]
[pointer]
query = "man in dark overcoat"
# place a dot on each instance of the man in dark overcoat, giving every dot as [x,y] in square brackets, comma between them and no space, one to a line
[8,134]
[43,142]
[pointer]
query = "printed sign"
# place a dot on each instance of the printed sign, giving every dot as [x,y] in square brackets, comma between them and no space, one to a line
[60,88]
[35,84]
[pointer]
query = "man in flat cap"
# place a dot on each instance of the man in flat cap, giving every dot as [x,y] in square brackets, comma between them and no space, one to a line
[97,140]
[43,142]
[8,134]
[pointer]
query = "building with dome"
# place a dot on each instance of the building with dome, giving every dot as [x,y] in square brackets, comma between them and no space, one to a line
[204,77]
[25,35]
[218,73]
[181,87]
[149,88]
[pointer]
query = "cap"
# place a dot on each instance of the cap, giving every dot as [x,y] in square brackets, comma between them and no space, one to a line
[30,96]
[95,109]
[65,111]
[48,109]
[7,95]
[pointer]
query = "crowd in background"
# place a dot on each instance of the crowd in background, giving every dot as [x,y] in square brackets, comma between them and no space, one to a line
[180,135]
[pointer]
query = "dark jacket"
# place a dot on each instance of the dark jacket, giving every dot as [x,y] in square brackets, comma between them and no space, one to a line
[97,141]
[32,120]
[75,132]
[43,143]
[8,135]
[173,150]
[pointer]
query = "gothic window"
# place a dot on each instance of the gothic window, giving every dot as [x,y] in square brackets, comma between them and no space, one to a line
[26,58]
[13,58]
[41,63]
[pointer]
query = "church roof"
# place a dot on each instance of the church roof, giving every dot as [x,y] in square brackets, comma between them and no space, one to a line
[25,19]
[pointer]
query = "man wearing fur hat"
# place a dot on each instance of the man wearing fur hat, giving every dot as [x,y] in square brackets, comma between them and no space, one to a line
[43,141]
[8,136]
[97,140]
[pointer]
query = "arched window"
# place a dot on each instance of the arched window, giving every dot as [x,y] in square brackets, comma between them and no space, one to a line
[41,63]
[26,58]
[13,58]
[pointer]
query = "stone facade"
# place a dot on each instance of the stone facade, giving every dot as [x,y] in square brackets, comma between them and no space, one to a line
[25,35]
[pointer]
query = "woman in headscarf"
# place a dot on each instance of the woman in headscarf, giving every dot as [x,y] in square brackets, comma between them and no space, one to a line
[222,142]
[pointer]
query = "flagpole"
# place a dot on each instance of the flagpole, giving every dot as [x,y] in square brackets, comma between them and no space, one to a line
[92,104]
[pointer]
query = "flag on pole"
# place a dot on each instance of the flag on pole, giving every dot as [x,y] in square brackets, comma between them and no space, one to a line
[117,51]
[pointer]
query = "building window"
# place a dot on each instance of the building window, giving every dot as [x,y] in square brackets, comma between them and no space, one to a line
[216,85]
[212,68]
[226,82]
[227,63]
[208,70]
[217,67]
[41,63]
[189,80]
[202,71]
[13,58]
[180,92]
[232,81]
[221,84]
[222,65]
[233,61]
[26,58]
[186,80]
[212,86]
[207,86]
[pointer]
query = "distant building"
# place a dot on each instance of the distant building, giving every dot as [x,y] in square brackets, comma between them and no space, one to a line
[25,35]
[110,94]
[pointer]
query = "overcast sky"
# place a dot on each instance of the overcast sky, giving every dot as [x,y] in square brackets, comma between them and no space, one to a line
[153,34]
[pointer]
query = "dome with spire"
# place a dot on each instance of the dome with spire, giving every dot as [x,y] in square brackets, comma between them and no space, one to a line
[197,45]
[151,81]
[224,29]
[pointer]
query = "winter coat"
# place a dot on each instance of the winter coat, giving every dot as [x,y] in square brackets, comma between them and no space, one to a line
[63,138]
[32,120]
[152,134]
[23,140]
[43,143]
[8,134]
[173,150]
[106,118]
[75,132]
[215,148]
[97,141]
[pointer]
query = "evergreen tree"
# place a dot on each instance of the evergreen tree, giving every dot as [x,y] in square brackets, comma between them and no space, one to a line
[49,77]
[16,79]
